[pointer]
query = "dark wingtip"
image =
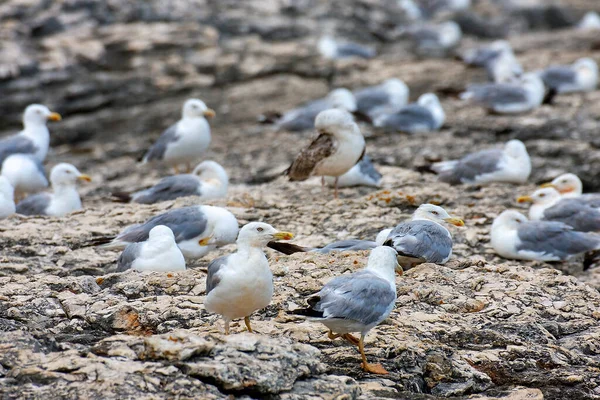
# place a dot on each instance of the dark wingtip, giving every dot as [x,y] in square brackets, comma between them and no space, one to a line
[121,197]
[98,241]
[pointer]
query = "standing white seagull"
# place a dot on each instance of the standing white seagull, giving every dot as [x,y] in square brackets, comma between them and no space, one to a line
[7,202]
[242,282]
[64,197]
[185,141]
[339,146]
[158,253]
[357,302]
[34,139]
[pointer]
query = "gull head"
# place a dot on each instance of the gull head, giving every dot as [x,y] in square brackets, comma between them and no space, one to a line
[543,196]
[37,114]
[211,170]
[6,189]
[161,232]
[397,90]
[436,214]
[566,183]
[343,99]
[382,236]
[384,257]
[586,64]
[65,174]
[431,102]
[450,33]
[534,86]
[516,149]
[194,108]
[509,219]
[258,234]
[336,122]
[222,225]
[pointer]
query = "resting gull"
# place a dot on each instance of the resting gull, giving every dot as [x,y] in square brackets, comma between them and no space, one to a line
[34,139]
[242,282]
[64,198]
[519,96]
[7,202]
[357,302]
[341,245]
[197,229]
[339,146]
[581,76]
[158,253]
[589,22]
[303,118]
[547,204]
[423,238]
[386,98]
[498,59]
[208,181]
[185,141]
[570,186]
[362,174]
[434,39]
[424,116]
[510,164]
[335,49]
[25,173]
[513,236]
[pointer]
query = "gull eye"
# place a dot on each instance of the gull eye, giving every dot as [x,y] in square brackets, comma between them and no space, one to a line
[259,229]
[435,213]
[542,194]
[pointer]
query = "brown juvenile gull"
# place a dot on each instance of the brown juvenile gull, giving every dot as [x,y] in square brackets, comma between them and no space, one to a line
[64,197]
[510,164]
[513,236]
[242,282]
[357,302]
[34,139]
[185,141]
[423,238]
[158,253]
[339,146]
[207,181]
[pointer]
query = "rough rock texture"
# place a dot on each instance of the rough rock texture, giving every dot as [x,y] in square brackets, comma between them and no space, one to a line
[480,327]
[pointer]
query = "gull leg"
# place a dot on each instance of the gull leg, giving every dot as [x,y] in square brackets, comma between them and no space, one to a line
[335,190]
[227,321]
[332,335]
[353,340]
[247,322]
[323,182]
[372,368]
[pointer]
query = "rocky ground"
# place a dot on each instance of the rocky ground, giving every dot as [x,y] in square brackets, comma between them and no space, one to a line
[478,327]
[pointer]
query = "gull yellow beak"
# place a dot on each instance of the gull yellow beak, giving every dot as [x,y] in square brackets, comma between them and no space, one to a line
[455,221]
[84,177]
[524,199]
[547,185]
[205,241]
[54,117]
[209,113]
[283,236]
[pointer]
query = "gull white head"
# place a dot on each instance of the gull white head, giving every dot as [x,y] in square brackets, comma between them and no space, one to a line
[336,122]
[383,261]
[397,90]
[450,33]
[65,174]
[195,108]
[534,86]
[587,73]
[222,224]
[382,236]
[435,214]
[327,46]
[211,170]
[37,114]
[412,11]
[431,102]
[590,21]
[258,234]
[541,199]
[7,192]
[343,99]
[569,185]
[508,220]
[517,152]
[162,234]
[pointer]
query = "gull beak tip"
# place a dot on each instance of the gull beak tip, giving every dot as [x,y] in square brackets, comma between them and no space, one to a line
[524,199]
[547,185]
[209,113]
[283,236]
[455,221]
[84,177]
[54,116]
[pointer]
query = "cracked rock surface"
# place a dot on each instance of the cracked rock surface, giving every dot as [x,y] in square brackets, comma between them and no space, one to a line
[480,327]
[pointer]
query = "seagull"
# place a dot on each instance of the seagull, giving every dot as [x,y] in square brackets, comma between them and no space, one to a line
[570,186]
[547,204]
[34,139]
[423,238]
[197,229]
[339,146]
[510,164]
[241,283]
[590,21]
[513,236]
[7,202]
[185,141]
[208,181]
[341,245]
[498,59]
[424,116]
[362,174]
[357,302]
[25,173]
[303,118]
[434,39]
[333,49]
[581,76]
[519,96]
[64,198]
[158,253]
[386,98]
